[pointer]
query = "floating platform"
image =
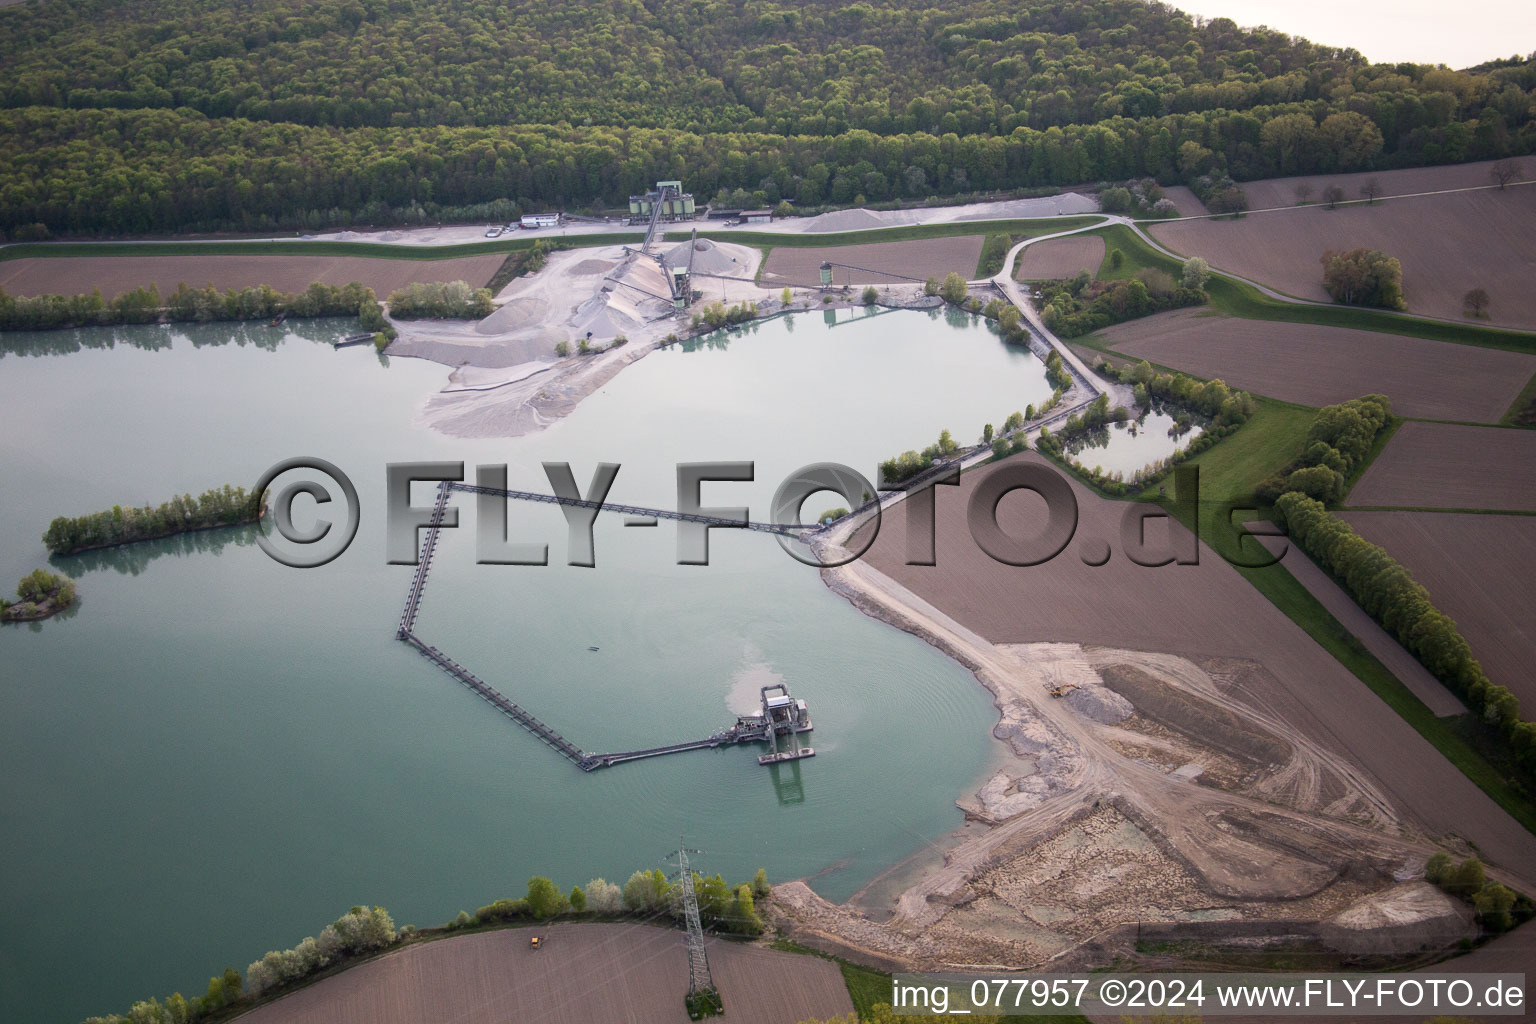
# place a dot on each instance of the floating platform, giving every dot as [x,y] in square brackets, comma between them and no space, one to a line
[786,755]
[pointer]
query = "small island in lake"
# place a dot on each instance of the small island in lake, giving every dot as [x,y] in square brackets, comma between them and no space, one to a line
[42,594]
[225,506]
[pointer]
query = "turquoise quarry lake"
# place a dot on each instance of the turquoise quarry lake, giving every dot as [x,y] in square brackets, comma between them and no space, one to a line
[215,755]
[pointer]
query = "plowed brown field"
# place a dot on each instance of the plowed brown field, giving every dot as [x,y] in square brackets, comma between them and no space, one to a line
[1206,610]
[1272,192]
[1447,245]
[1446,465]
[921,258]
[586,973]
[76,275]
[1315,365]
[1478,571]
[1188,203]
[1060,258]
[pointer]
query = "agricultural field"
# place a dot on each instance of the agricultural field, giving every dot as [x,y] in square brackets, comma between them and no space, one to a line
[71,275]
[1447,244]
[1188,204]
[1451,466]
[586,972]
[1060,258]
[1316,365]
[1477,571]
[1200,611]
[1281,192]
[920,258]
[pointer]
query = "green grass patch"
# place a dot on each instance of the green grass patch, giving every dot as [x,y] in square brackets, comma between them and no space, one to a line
[299,247]
[866,986]
[1237,298]
[1229,472]
[1019,229]
[1522,411]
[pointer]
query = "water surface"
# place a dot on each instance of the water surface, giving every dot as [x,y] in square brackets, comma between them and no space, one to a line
[216,755]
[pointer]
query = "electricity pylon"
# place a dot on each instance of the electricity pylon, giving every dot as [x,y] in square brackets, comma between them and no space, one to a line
[698,961]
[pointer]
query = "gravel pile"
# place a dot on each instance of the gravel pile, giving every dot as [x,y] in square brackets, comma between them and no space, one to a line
[845,220]
[1100,703]
[708,258]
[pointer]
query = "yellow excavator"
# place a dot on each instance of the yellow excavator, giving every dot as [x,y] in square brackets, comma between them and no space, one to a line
[1063,689]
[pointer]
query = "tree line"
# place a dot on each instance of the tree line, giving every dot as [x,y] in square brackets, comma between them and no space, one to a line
[363,931]
[1383,587]
[145,305]
[1338,441]
[224,506]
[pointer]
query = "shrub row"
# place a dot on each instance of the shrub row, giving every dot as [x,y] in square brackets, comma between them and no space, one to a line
[224,506]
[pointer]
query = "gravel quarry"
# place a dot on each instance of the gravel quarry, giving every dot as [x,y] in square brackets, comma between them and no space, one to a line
[1179,792]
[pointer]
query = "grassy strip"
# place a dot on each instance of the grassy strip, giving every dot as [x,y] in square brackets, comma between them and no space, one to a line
[1229,472]
[298,247]
[1021,229]
[1522,411]
[378,250]
[867,986]
[1237,298]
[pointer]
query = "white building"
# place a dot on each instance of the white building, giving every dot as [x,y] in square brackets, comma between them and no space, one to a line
[540,220]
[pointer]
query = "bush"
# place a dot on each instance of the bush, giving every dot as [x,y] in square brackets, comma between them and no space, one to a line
[953,290]
[562,349]
[604,897]
[1197,273]
[871,295]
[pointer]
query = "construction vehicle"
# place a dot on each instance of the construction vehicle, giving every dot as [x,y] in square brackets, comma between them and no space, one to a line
[536,942]
[1063,689]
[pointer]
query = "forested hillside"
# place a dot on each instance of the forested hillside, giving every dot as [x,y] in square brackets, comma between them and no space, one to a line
[158,115]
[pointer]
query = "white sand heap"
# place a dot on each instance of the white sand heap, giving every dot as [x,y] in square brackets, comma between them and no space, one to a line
[846,220]
[1402,919]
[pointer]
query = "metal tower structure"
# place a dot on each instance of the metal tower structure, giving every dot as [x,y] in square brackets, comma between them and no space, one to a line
[698,962]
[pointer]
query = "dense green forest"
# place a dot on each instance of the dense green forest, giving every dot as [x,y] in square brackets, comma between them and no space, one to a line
[168,115]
